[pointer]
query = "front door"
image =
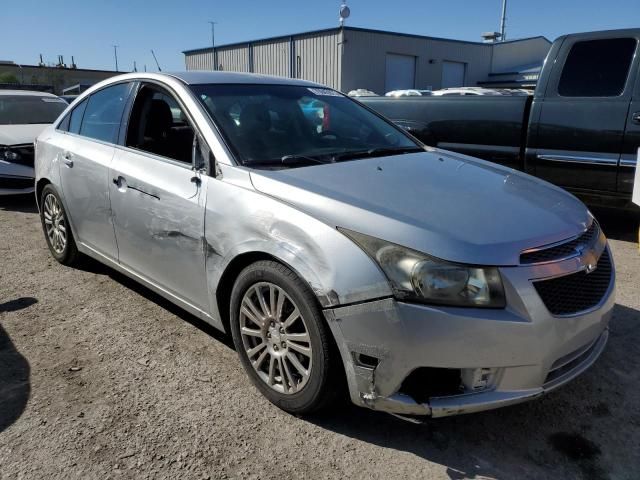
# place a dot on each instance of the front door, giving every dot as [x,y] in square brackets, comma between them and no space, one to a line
[158,200]
[85,151]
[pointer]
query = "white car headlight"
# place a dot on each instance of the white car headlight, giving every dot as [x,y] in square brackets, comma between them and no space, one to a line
[416,276]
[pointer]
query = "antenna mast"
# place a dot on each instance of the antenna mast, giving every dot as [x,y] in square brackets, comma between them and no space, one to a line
[154,57]
[503,22]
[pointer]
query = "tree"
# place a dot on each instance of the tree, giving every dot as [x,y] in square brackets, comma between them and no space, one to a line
[8,77]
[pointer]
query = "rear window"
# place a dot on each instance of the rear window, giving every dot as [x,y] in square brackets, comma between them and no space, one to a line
[28,109]
[597,68]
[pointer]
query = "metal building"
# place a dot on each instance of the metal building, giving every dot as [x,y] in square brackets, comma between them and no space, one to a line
[347,58]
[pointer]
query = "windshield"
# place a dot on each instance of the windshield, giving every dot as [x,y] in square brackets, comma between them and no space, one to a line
[26,109]
[291,125]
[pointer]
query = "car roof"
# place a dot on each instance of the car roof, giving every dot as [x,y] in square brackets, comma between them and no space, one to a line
[195,77]
[30,93]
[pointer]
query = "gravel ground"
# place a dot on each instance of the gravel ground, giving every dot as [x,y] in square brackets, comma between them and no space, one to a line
[100,378]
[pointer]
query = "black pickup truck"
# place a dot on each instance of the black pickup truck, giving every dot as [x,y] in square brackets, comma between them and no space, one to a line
[580,129]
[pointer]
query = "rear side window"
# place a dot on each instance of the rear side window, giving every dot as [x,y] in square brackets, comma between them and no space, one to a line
[597,68]
[104,112]
[75,120]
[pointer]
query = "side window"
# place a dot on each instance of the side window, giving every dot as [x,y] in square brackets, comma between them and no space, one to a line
[597,68]
[103,113]
[159,125]
[75,118]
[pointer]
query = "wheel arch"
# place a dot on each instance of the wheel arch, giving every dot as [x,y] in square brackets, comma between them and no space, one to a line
[231,273]
[40,184]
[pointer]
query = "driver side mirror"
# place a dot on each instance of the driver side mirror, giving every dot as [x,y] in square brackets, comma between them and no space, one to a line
[202,158]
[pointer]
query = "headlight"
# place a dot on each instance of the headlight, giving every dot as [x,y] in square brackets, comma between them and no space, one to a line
[418,277]
[9,155]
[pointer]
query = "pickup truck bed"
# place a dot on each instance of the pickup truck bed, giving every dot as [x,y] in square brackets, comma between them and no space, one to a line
[488,127]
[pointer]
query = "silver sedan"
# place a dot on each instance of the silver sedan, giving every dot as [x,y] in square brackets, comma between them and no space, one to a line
[341,254]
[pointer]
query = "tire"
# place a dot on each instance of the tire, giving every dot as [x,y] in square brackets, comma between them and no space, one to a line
[290,390]
[53,216]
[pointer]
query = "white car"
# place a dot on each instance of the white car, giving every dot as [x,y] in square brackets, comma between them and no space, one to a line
[465,91]
[23,115]
[362,92]
[412,92]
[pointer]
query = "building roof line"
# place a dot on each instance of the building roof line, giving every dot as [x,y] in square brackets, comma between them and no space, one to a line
[353,29]
[61,69]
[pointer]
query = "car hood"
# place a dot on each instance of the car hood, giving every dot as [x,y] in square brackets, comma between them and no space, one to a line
[447,205]
[20,134]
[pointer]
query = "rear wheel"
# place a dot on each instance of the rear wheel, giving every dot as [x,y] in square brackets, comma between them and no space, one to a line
[281,338]
[56,228]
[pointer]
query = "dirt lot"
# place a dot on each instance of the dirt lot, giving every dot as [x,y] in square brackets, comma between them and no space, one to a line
[100,378]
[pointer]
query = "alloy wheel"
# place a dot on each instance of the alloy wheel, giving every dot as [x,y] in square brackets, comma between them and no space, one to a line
[275,338]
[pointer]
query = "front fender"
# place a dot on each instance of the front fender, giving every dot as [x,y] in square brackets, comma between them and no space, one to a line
[240,220]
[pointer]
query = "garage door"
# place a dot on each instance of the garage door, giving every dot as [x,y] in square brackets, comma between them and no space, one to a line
[452,74]
[401,72]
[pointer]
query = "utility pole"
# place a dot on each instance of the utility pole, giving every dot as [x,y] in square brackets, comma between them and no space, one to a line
[135,67]
[213,45]
[503,22]
[115,54]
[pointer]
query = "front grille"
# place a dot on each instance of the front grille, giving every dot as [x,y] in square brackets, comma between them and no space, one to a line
[25,154]
[16,183]
[563,250]
[578,291]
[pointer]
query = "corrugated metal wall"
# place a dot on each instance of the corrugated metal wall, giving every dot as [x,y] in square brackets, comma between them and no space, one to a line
[317,58]
[364,59]
[314,57]
[200,60]
[233,59]
[354,58]
[272,57]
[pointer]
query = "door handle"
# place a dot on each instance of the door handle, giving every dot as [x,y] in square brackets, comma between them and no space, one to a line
[635,117]
[67,159]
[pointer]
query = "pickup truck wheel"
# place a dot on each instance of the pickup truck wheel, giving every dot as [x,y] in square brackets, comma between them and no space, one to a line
[56,228]
[281,338]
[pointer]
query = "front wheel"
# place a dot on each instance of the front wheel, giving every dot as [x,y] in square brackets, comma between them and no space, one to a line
[281,338]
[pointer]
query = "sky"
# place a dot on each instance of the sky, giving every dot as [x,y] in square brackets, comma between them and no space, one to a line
[88,29]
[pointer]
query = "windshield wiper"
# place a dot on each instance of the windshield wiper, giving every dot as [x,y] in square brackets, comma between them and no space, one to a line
[376,152]
[287,160]
[295,158]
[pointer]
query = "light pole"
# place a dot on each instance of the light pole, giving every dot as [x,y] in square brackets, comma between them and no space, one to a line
[115,54]
[213,45]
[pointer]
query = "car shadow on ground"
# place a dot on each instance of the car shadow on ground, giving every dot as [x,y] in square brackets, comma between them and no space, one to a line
[557,426]
[19,203]
[15,385]
[95,267]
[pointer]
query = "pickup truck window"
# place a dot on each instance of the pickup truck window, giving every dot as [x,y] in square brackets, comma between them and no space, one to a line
[597,68]
[291,125]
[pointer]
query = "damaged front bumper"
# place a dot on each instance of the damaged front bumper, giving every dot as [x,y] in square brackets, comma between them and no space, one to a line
[501,357]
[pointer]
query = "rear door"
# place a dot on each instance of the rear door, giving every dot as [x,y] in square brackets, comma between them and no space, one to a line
[85,151]
[583,114]
[158,199]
